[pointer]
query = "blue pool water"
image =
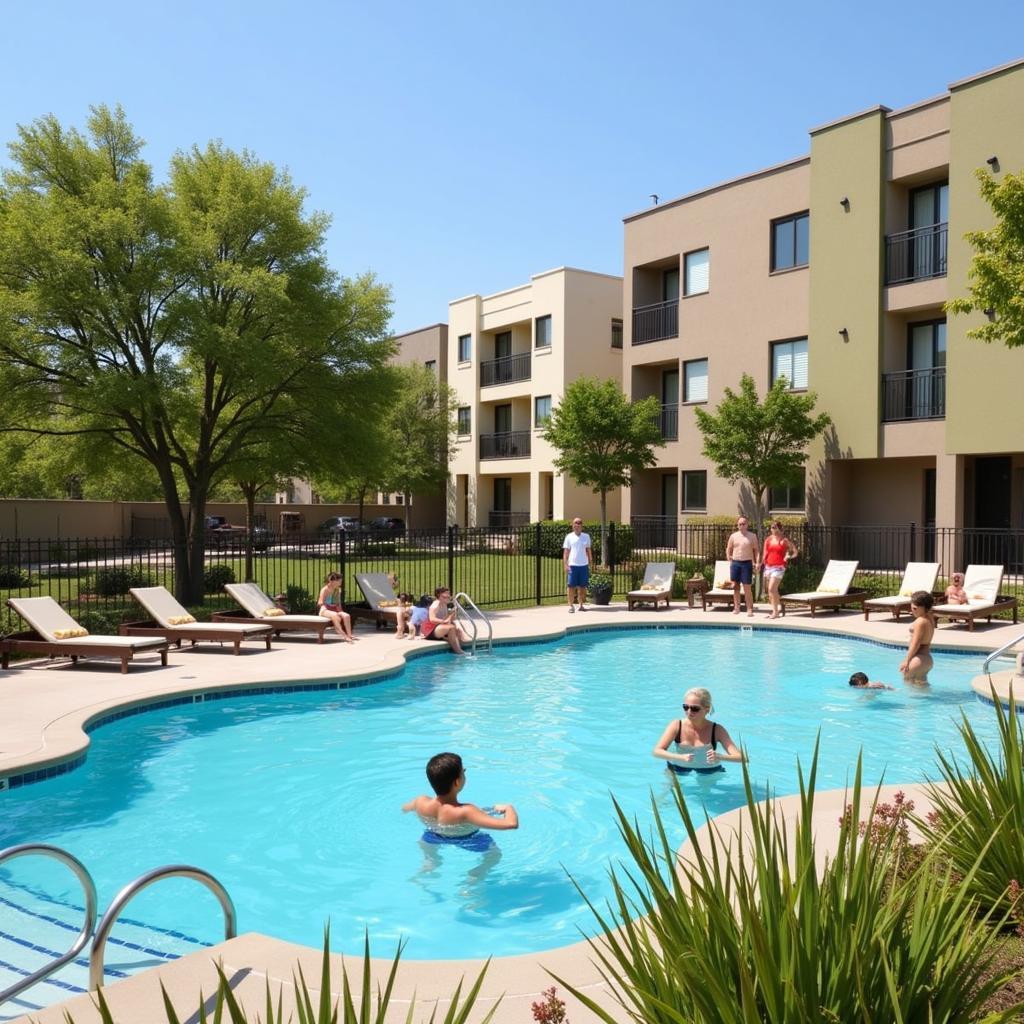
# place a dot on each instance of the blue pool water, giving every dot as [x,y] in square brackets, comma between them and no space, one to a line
[293,800]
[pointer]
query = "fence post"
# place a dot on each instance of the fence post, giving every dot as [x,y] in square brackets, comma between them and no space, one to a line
[537,529]
[609,555]
[342,559]
[451,559]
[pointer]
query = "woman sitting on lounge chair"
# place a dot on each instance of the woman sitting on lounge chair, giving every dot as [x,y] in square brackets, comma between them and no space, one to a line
[441,624]
[329,607]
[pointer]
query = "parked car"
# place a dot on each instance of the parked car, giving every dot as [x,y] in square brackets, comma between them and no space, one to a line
[340,524]
[222,534]
[387,526]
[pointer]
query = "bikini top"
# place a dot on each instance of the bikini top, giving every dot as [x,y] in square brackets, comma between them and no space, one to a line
[714,739]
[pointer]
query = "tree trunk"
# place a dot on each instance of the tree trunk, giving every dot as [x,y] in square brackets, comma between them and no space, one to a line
[193,591]
[248,489]
[604,527]
[408,510]
[179,531]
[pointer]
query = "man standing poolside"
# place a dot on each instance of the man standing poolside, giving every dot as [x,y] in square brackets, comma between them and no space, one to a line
[744,560]
[577,558]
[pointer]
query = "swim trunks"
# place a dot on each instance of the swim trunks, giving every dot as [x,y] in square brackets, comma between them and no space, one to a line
[741,572]
[475,842]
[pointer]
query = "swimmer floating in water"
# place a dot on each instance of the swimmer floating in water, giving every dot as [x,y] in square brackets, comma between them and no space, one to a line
[696,739]
[860,680]
[445,818]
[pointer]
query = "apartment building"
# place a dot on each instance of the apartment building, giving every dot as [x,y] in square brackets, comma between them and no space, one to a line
[510,357]
[833,270]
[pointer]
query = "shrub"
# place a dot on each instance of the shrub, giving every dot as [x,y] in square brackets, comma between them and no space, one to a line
[756,931]
[979,809]
[114,580]
[550,1009]
[13,578]
[300,600]
[552,537]
[104,622]
[215,576]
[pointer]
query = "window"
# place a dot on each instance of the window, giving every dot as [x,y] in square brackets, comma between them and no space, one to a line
[616,332]
[399,499]
[385,499]
[465,348]
[791,241]
[695,491]
[670,284]
[431,365]
[787,499]
[698,271]
[541,410]
[464,421]
[695,380]
[542,334]
[789,360]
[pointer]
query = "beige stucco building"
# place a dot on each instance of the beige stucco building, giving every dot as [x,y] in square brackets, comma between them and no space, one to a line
[510,356]
[833,270]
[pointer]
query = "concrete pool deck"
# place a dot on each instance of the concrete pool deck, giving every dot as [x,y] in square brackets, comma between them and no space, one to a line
[45,704]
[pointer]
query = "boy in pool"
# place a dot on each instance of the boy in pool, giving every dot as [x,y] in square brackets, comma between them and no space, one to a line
[860,680]
[443,815]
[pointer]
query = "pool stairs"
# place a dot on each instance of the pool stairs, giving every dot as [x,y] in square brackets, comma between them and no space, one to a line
[37,932]
[468,610]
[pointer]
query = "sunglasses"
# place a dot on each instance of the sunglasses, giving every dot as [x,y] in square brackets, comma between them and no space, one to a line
[693,707]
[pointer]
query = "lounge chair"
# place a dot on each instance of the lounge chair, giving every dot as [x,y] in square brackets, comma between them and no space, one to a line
[381,604]
[832,592]
[56,634]
[261,609]
[918,576]
[721,587]
[982,583]
[657,585]
[170,619]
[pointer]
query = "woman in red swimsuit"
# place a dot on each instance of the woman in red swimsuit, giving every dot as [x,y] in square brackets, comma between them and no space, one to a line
[779,550]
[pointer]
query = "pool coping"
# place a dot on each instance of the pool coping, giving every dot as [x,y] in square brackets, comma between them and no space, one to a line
[73,708]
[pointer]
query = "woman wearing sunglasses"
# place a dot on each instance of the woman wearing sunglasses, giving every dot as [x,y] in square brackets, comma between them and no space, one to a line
[696,739]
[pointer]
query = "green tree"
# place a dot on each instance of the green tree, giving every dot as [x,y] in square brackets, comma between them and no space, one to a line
[996,274]
[602,438]
[762,443]
[170,323]
[420,429]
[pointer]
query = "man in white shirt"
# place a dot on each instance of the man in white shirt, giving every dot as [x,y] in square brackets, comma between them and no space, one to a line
[577,558]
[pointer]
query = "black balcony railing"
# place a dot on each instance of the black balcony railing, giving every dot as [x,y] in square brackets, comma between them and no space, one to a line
[914,395]
[506,370]
[498,519]
[656,322]
[668,422]
[916,255]
[512,444]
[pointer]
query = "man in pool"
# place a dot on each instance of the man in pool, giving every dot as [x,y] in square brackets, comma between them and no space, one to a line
[445,818]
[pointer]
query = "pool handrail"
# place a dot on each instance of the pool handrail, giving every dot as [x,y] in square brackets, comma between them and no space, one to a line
[1002,650]
[108,920]
[461,597]
[80,871]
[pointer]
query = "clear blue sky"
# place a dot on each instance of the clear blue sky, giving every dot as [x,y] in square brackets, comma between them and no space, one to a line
[461,147]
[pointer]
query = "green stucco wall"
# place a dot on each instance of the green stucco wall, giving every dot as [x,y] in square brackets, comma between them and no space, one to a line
[984,409]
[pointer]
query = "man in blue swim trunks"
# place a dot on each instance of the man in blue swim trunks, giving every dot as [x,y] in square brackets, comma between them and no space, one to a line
[744,561]
[577,557]
[444,817]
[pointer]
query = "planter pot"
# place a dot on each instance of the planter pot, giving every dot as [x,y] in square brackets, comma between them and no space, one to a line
[601,594]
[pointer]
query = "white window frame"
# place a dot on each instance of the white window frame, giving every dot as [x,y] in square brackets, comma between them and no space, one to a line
[689,399]
[793,373]
[695,278]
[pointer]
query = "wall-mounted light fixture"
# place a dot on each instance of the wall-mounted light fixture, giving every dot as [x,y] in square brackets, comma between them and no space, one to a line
[654,199]
[993,163]
[990,313]
[845,203]
[844,334]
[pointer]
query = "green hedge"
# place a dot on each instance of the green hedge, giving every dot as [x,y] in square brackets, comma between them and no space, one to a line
[552,537]
[115,580]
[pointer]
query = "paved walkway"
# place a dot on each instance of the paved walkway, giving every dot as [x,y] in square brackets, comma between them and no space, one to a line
[43,706]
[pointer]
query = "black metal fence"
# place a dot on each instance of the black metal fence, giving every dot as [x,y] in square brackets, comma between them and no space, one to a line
[506,565]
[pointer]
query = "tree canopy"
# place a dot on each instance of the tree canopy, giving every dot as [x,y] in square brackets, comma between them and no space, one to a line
[178,324]
[602,438]
[996,274]
[762,443]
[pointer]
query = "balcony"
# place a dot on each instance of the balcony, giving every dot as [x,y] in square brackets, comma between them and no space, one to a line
[505,370]
[668,422]
[501,520]
[656,322]
[916,255]
[914,395]
[512,444]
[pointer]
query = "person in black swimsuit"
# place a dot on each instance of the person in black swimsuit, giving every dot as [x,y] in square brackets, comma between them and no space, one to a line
[696,739]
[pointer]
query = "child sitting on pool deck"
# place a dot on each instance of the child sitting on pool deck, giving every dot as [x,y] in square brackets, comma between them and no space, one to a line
[447,820]
[411,615]
[860,680]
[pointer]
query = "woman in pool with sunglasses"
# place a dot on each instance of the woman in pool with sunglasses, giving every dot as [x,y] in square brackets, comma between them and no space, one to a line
[696,739]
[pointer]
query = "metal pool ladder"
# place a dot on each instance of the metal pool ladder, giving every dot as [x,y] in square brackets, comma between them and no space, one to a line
[462,599]
[1002,650]
[99,934]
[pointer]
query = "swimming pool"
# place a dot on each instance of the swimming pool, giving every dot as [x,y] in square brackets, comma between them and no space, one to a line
[292,800]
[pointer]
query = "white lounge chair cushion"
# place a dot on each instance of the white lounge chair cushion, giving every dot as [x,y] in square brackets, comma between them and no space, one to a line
[835,582]
[982,583]
[250,597]
[971,606]
[657,580]
[48,618]
[376,587]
